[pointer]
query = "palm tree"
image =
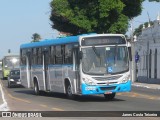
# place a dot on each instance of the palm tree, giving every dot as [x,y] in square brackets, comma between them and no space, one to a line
[36,37]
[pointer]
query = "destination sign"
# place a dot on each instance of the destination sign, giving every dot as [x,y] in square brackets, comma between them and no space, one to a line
[103,40]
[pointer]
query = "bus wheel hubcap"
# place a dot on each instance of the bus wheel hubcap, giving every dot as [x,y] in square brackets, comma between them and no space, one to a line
[69,91]
[35,88]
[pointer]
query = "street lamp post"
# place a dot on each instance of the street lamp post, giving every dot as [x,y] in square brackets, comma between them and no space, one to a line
[133,39]
[134,76]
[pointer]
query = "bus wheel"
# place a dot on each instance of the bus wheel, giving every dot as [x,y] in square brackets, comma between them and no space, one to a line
[69,92]
[109,96]
[36,88]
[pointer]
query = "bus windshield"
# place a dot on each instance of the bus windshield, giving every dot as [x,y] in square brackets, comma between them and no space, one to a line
[11,62]
[105,60]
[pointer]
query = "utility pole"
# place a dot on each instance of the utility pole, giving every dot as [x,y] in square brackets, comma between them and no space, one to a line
[134,66]
[133,53]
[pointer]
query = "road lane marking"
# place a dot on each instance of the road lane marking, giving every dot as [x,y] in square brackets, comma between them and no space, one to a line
[138,95]
[23,100]
[57,109]
[133,95]
[4,106]
[42,105]
[152,98]
[27,101]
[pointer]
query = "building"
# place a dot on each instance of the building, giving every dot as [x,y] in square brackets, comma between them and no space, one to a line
[148,48]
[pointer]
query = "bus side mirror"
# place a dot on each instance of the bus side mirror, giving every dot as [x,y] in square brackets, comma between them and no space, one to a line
[80,55]
[130,53]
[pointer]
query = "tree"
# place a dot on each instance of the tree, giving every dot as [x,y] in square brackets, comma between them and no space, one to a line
[154,0]
[100,16]
[132,8]
[36,37]
[138,30]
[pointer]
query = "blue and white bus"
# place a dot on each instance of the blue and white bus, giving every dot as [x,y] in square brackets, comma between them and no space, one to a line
[77,65]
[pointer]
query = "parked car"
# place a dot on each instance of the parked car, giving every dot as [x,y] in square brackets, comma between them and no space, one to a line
[14,78]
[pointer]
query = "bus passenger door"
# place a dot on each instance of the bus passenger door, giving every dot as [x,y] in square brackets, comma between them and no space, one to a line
[45,68]
[76,62]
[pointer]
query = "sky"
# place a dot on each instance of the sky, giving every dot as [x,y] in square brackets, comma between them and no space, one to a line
[150,11]
[20,19]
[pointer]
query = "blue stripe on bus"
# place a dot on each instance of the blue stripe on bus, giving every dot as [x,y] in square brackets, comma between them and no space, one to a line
[61,65]
[50,65]
[37,66]
[71,39]
[23,66]
[88,90]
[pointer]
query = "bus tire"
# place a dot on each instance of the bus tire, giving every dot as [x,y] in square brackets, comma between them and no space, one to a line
[69,93]
[36,88]
[109,96]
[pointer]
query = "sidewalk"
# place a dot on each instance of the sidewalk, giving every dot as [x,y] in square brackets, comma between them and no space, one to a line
[146,85]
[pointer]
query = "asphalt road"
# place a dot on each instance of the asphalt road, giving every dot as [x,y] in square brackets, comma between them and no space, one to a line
[23,99]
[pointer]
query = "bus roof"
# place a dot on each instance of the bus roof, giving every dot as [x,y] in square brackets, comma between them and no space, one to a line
[11,55]
[65,40]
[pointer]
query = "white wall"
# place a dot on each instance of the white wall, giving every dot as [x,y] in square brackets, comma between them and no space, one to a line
[149,35]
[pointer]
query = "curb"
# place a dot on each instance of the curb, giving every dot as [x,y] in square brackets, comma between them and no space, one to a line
[146,86]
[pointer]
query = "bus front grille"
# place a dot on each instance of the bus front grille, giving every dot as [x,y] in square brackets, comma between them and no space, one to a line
[107,83]
[108,88]
[107,78]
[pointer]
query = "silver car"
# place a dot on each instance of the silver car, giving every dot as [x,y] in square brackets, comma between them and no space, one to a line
[14,78]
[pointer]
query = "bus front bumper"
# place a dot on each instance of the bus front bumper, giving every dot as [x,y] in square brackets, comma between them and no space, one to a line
[90,90]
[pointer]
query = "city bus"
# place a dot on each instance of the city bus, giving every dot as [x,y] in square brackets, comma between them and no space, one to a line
[9,62]
[77,65]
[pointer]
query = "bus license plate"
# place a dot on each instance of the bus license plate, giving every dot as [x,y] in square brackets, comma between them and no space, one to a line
[108,93]
[18,82]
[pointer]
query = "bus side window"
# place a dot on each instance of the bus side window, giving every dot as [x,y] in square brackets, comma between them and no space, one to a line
[23,57]
[58,56]
[68,54]
[39,56]
[52,55]
[49,55]
[63,53]
[34,56]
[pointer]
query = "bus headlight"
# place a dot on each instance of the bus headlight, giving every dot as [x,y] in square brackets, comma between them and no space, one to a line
[5,66]
[125,79]
[12,80]
[88,81]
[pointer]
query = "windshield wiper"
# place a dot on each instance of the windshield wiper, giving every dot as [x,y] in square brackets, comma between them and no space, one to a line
[97,54]
[116,53]
[95,51]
